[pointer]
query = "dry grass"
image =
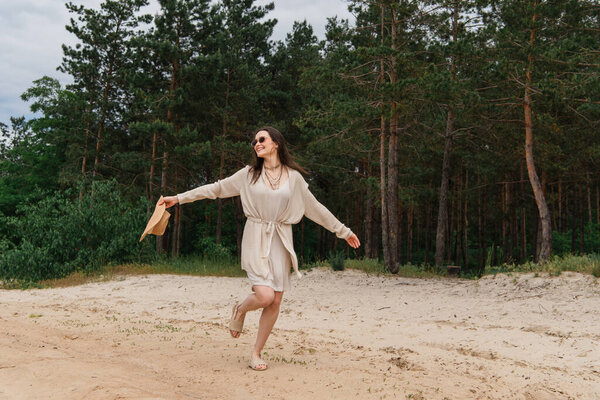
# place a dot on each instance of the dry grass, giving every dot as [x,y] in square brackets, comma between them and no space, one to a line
[181,266]
[197,266]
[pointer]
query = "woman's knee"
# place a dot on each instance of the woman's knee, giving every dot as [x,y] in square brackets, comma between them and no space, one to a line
[277,299]
[265,297]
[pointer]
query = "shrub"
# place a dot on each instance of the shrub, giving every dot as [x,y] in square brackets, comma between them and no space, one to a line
[61,234]
[211,250]
[336,260]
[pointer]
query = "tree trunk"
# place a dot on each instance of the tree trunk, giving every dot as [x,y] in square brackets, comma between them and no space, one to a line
[302,242]
[392,188]
[356,220]
[481,224]
[376,237]
[544,213]
[598,204]
[581,225]
[103,107]
[160,241]
[171,119]
[442,221]
[418,227]
[560,211]
[87,135]
[523,219]
[369,216]
[85,148]
[409,220]
[465,248]
[222,162]
[450,230]
[152,168]
[400,241]
[427,232]
[383,182]
[458,220]
[239,224]
[220,202]
[573,224]
[504,222]
[588,184]
[175,228]
[176,231]
[553,212]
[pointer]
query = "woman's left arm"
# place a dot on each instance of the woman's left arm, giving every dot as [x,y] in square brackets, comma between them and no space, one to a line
[318,213]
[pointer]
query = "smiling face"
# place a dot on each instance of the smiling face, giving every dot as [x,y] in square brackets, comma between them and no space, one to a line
[264,145]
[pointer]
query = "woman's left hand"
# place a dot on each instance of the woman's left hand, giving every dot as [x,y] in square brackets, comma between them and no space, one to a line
[353,241]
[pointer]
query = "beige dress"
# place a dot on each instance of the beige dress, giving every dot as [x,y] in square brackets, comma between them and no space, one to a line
[280,263]
[259,231]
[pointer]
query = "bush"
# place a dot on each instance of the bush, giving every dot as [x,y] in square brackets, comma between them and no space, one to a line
[336,260]
[210,250]
[61,234]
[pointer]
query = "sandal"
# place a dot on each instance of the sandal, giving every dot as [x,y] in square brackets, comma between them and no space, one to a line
[255,362]
[234,324]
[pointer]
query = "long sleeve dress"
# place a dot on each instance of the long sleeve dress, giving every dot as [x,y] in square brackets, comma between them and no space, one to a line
[267,242]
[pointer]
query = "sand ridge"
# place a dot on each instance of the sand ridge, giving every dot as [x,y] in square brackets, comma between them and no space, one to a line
[340,335]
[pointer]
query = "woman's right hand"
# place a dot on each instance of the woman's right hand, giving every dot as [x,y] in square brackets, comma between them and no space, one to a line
[169,201]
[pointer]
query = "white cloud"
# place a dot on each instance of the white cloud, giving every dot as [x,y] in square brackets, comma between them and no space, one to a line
[32,32]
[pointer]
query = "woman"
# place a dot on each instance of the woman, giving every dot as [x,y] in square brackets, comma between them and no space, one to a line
[274,196]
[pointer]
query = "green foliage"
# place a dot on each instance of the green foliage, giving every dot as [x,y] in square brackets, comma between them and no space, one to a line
[60,234]
[171,106]
[27,163]
[213,251]
[563,243]
[336,260]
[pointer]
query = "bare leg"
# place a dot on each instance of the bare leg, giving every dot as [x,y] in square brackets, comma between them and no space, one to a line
[266,323]
[262,297]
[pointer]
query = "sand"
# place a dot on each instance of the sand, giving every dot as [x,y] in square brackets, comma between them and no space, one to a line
[340,335]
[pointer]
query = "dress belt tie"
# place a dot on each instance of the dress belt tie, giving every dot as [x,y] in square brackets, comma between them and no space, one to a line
[270,230]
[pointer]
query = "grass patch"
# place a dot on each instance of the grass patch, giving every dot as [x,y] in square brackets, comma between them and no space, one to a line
[196,266]
[202,266]
[586,264]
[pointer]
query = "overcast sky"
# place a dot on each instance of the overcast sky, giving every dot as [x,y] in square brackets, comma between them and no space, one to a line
[32,31]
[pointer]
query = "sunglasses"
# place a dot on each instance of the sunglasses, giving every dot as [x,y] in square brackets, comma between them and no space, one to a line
[260,140]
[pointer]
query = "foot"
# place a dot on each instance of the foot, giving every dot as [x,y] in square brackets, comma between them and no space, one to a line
[257,364]
[237,321]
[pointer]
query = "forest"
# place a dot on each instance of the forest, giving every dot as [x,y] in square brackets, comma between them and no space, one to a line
[442,132]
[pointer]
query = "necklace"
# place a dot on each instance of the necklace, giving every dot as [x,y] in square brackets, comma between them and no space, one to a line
[274,181]
[275,167]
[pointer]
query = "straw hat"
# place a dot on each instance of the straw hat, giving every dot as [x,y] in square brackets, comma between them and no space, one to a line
[158,221]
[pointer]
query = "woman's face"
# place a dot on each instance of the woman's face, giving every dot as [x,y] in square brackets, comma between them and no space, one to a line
[264,145]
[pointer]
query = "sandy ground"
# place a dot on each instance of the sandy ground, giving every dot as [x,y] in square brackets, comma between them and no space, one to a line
[344,335]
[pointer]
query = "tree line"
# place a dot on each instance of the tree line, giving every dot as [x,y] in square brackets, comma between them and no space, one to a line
[441,131]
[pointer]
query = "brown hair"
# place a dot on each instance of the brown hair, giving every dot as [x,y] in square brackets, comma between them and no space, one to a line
[284,155]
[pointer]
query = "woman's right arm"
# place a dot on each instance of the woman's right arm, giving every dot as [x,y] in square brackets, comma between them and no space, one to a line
[228,187]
